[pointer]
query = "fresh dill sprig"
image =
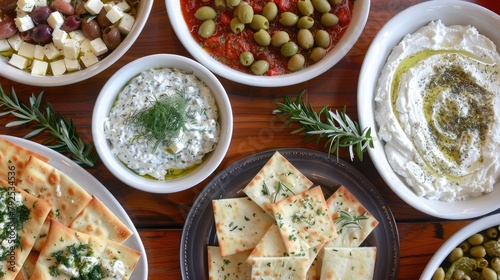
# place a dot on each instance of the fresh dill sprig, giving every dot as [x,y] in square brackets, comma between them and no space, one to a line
[163,121]
[63,136]
[347,220]
[337,128]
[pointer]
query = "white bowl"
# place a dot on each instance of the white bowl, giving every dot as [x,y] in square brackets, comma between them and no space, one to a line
[408,21]
[22,76]
[455,240]
[108,95]
[359,16]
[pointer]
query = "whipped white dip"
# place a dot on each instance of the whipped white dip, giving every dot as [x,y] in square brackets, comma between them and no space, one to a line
[197,138]
[437,107]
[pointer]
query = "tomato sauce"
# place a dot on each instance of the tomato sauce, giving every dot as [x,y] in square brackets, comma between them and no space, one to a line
[225,46]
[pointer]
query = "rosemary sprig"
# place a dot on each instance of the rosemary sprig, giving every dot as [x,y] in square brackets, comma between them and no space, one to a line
[347,220]
[63,136]
[337,128]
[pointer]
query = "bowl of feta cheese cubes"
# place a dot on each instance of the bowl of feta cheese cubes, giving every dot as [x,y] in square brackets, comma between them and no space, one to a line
[59,42]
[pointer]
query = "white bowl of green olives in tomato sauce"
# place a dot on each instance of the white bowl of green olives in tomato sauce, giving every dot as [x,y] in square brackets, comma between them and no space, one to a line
[268,43]
[473,252]
[57,42]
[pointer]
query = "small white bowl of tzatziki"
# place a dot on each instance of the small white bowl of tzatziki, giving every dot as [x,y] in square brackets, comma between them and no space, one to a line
[162,123]
[429,88]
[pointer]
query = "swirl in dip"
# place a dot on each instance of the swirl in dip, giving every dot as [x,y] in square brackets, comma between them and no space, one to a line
[181,151]
[437,107]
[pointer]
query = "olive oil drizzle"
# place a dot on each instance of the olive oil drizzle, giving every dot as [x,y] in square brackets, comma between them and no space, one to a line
[477,100]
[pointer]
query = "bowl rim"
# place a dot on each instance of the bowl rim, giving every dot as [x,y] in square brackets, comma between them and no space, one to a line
[457,238]
[20,76]
[359,17]
[109,93]
[430,10]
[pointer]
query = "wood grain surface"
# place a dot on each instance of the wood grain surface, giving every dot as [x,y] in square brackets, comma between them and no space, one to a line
[159,218]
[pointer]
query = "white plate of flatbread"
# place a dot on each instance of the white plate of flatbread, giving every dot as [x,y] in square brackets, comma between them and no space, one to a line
[95,190]
[200,232]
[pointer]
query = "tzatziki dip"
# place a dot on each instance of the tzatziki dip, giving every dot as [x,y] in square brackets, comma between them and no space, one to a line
[163,122]
[437,108]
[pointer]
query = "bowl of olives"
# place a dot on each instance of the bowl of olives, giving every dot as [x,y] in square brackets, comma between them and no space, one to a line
[268,43]
[61,42]
[473,252]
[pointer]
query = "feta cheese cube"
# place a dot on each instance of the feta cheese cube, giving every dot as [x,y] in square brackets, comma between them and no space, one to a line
[89,59]
[19,61]
[85,46]
[39,52]
[77,35]
[27,50]
[24,23]
[126,23]
[72,64]
[124,6]
[58,67]
[94,6]
[51,51]
[176,147]
[55,20]
[39,67]
[15,41]
[40,3]
[98,47]
[115,14]
[20,13]
[26,5]
[4,45]
[58,37]
[71,48]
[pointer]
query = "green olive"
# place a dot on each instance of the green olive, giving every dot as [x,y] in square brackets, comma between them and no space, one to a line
[289,49]
[455,254]
[489,274]
[465,246]
[207,28]
[305,22]
[296,62]
[481,263]
[259,67]
[246,58]
[279,38]
[322,38]
[476,239]
[335,2]
[439,274]
[236,25]
[262,38]
[305,39]
[205,12]
[232,3]
[322,6]
[305,7]
[492,233]
[259,22]
[220,4]
[288,19]
[477,251]
[245,13]
[329,19]
[270,11]
[317,54]
[495,264]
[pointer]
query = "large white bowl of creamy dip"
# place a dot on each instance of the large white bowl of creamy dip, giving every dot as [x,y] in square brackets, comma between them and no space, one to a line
[162,123]
[429,88]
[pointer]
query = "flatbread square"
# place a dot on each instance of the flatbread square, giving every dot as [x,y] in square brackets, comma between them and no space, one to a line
[13,158]
[66,197]
[277,180]
[14,202]
[239,223]
[90,253]
[348,263]
[96,219]
[230,267]
[304,220]
[273,268]
[351,234]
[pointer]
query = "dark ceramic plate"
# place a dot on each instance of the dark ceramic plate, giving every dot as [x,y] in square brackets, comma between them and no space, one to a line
[328,172]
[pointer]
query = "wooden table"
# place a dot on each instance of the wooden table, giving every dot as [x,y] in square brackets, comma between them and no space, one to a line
[159,218]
